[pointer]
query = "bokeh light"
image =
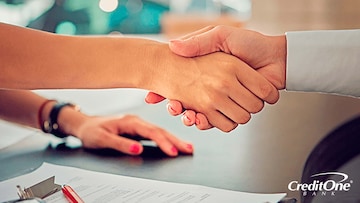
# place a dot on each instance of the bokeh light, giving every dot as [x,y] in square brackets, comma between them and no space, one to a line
[108,5]
[66,27]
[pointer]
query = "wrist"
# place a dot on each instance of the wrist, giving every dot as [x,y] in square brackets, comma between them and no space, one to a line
[140,64]
[70,120]
[44,112]
[170,71]
[152,75]
[59,119]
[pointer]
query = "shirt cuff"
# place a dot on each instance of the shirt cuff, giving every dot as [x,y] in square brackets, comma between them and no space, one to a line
[324,61]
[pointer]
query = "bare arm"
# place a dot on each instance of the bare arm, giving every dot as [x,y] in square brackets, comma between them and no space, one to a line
[22,107]
[36,59]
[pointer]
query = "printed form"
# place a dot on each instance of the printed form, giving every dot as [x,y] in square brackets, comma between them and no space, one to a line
[106,188]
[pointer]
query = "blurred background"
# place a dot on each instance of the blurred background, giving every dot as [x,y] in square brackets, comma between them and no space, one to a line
[107,16]
[120,16]
[177,17]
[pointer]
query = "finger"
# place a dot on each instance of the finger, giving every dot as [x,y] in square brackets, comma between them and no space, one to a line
[202,122]
[246,99]
[174,107]
[121,144]
[220,121]
[168,143]
[234,111]
[197,32]
[198,44]
[182,146]
[274,75]
[188,118]
[153,98]
[256,83]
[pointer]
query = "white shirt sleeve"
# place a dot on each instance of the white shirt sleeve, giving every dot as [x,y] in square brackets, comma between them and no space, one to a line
[324,61]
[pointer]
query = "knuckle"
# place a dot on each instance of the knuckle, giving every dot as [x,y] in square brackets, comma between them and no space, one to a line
[210,27]
[157,134]
[130,117]
[98,141]
[219,28]
[222,85]
[209,101]
[152,131]
[207,106]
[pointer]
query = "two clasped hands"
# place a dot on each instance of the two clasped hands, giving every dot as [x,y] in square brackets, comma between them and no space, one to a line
[248,70]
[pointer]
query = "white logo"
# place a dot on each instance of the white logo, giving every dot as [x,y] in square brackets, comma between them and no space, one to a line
[328,186]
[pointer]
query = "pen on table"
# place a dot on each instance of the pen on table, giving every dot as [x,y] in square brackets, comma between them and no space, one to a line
[71,195]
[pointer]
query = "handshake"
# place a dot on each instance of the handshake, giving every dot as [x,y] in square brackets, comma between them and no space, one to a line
[237,71]
[218,76]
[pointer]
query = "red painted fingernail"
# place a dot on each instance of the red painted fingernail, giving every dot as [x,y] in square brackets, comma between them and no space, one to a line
[135,148]
[173,149]
[189,146]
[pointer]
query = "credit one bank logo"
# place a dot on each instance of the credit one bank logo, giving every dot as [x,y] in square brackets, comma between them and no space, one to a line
[323,187]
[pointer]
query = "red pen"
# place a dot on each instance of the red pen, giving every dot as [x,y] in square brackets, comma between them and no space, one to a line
[71,195]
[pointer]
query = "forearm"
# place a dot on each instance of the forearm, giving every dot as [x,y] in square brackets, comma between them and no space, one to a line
[24,107]
[20,106]
[36,59]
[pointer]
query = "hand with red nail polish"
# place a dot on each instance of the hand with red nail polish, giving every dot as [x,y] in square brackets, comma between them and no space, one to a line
[95,132]
[105,132]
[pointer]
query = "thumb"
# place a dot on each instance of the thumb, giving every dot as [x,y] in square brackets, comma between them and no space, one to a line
[196,45]
[153,98]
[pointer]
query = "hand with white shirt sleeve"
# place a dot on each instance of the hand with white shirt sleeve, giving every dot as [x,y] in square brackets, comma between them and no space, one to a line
[324,61]
[265,54]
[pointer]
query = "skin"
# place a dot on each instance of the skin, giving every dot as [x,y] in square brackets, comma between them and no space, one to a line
[265,54]
[21,106]
[221,87]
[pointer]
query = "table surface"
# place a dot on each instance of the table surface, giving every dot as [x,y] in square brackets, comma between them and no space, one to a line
[261,156]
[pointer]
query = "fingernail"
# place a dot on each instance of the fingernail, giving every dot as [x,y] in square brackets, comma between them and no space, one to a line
[189,146]
[197,121]
[135,148]
[173,149]
[146,100]
[170,108]
[187,118]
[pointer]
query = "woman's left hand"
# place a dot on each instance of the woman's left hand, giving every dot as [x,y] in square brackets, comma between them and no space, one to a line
[105,132]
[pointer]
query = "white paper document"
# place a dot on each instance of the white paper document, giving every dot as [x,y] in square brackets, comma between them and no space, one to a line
[105,188]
